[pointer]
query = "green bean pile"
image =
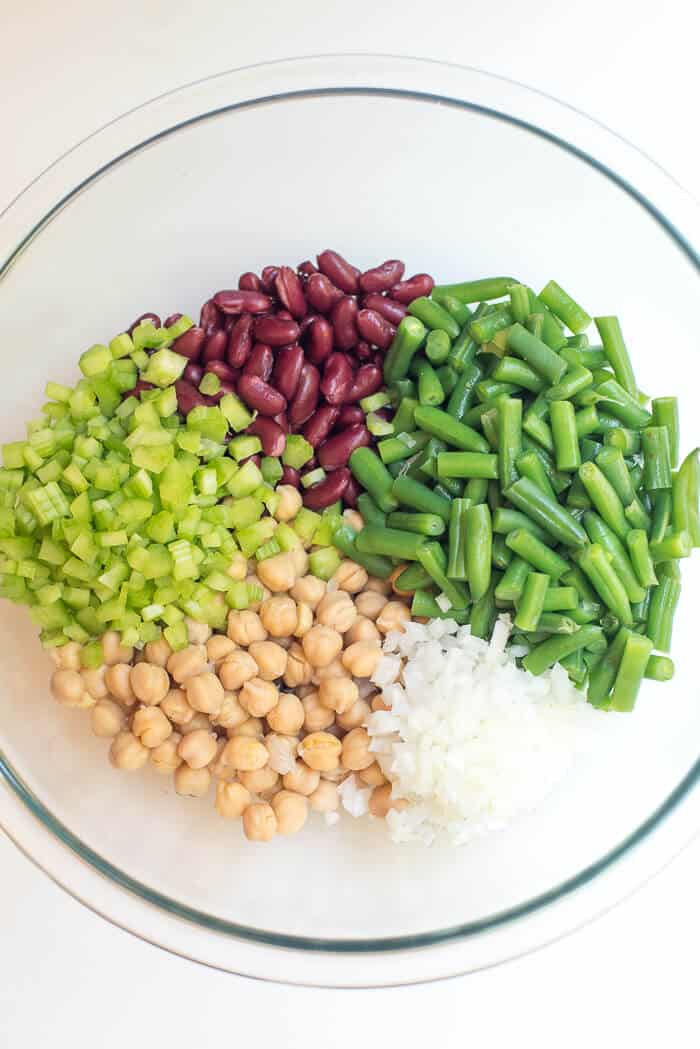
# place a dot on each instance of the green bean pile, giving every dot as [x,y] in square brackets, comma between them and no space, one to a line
[525,472]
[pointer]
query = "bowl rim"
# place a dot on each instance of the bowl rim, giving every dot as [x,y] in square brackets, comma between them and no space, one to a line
[310,77]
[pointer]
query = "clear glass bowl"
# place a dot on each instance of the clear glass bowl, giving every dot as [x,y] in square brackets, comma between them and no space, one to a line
[461,174]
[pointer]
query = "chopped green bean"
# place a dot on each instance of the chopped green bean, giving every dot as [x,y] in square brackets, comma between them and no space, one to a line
[600,533]
[638,546]
[467,464]
[541,557]
[616,352]
[397,449]
[657,458]
[418,496]
[413,577]
[563,422]
[662,608]
[661,517]
[425,606]
[369,471]
[389,542]
[516,372]
[628,441]
[547,513]
[476,489]
[433,559]
[430,391]
[511,585]
[686,484]
[410,336]
[437,346]
[604,498]
[630,673]
[422,524]
[442,425]
[665,413]
[531,604]
[484,612]
[344,539]
[462,397]
[622,405]
[479,538]
[549,652]
[659,668]
[560,599]
[564,307]
[371,514]
[456,558]
[510,411]
[501,554]
[536,353]
[506,520]
[605,580]
[434,316]
[672,547]
[404,418]
[476,290]
[483,329]
[613,467]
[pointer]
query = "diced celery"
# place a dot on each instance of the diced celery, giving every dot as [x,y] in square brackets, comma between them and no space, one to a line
[250,538]
[268,549]
[287,537]
[210,384]
[92,656]
[305,524]
[245,512]
[297,451]
[324,563]
[244,446]
[55,391]
[210,422]
[176,636]
[189,440]
[13,455]
[271,469]
[95,360]
[121,345]
[235,412]
[245,481]
[161,527]
[313,477]
[179,327]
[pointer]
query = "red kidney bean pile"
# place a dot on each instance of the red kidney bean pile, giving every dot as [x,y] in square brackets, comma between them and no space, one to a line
[301,347]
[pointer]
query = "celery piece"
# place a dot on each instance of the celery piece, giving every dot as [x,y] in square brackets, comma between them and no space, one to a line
[210,384]
[250,538]
[271,469]
[164,368]
[297,451]
[237,596]
[179,327]
[121,345]
[95,361]
[305,524]
[55,391]
[210,422]
[243,446]
[161,527]
[13,455]
[123,375]
[245,481]
[235,412]
[268,549]
[324,563]
[245,512]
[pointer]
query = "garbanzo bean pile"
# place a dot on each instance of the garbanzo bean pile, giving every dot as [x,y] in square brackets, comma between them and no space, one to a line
[271,712]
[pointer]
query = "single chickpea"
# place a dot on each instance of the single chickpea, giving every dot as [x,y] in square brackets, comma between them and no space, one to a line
[191,783]
[380,586]
[244,627]
[372,776]
[377,703]
[362,657]
[291,811]
[236,669]
[320,751]
[157,652]
[94,681]
[325,798]
[333,669]
[252,728]
[258,697]
[300,560]
[151,726]
[197,721]
[277,573]
[336,775]
[288,716]
[316,716]
[338,693]
[218,766]
[354,716]
[205,692]
[321,645]
[117,680]
[337,611]
[301,779]
[232,799]
[282,752]
[176,708]
[354,519]
[305,619]
[238,568]
[107,718]
[259,781]
[197,749]
[298,671]
[187,662]
[150,684]
[113,651]
[127,752]
[271,659]
[231,713]
[219,647]
[380,801]
[350,577]
[363,629]
[309,590]
[197,633]
[67,657]
[279,615]
[68,689]
[245,754]
[369,604]
[355,750]
[165,758]
[393,617]
[289,503]
[259,822]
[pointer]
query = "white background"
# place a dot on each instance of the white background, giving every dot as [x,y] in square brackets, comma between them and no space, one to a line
[66,977]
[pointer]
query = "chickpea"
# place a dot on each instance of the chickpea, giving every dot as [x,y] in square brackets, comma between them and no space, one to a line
[354,716]
[187,662]
[309,590]
[305,619]
[289,503]
[298,671]
[245,754]
[321,645]
[176,708]
[238,568]
[165,758]
[279,615]
[113,651]
[94,682]
[198,748]
[336,610]
[316,716]
[151,726]
[68,689]
[372,776]
[150,684]
[271,659]
[320,751]
[378,703]
[259,822]
[157,652]
[362,657]
[392,617]
[300,560]
[380,801]
[288,716]
[197,633]
[334,669]
[351,577]
[205,693]
[67,657]
[354,519]
[107,718]
[325,798]
[355,751]
[260,780]
[258,697]
[219,647]
[301,779]
[252,728]
[380,586]
[277,573]
[231,713]
[246,626]
[127,752]
[117,680]
[369,604]
[291,811]
[236,669]
[218,765]
[197,721]
[282,751]
[336,775]
[338,693]
[232,799]
[192,783]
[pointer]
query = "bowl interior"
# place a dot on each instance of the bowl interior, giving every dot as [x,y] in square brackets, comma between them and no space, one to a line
[452,191]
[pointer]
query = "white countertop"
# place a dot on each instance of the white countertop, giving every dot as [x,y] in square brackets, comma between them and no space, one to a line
[68,978]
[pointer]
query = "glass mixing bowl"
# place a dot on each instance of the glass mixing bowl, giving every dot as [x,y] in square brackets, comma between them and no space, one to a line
[461,174]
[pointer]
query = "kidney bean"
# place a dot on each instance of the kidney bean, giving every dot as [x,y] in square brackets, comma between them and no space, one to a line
[172,319]
[271,435]
[249,282]
[288,365]
[251,459]
[385,413]
[383,277]
[328,491]
[337,449]
[290,292]
[306,268]
[306,397]
[138,389]
[240,341]
[390,309]
[321,294]
[260,361]
[338,270]
[290,476]
[229,322]
[282,421]
[363,351]
[233,301]
[351,493]
[368,379]
[209,317]
[344,320]
[215,346]
[337,378]
[408,290]
[350,415]
[283,315]
[268,277]
[317,428]
[320,341]
[222,370]
[193,373]
[260,395]
[276,331]
[375,328]
[188,397]
[306,322]
[190,343]
[153,318]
